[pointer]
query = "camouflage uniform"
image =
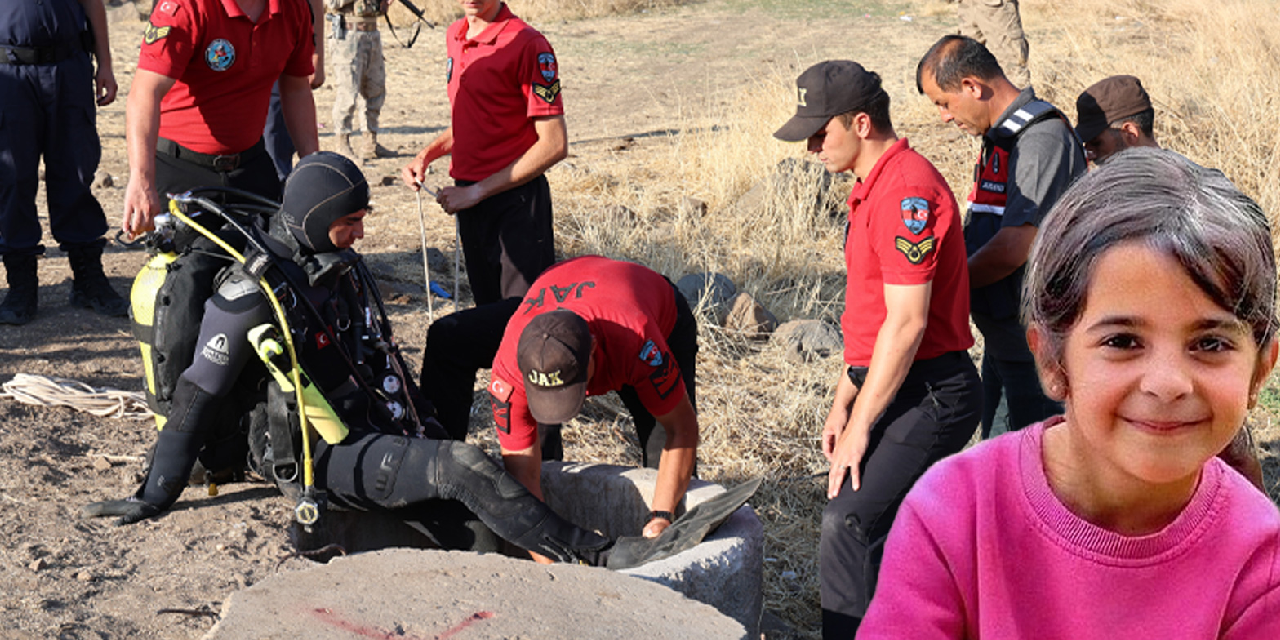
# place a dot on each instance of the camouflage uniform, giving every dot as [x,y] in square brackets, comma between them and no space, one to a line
[358,70]
[998,25]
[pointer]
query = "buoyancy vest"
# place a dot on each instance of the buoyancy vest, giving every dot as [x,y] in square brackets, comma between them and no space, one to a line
[340,331]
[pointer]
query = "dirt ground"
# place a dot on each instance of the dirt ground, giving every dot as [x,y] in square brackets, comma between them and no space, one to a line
[636,77]
[62,577]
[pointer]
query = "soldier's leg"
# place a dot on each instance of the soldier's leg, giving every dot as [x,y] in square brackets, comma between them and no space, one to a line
[71,155]
[22,127]
[346,83]
[374,84]
[1000,24]
[458,345]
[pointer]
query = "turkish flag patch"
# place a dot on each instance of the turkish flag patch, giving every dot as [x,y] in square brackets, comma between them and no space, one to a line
[322,340]
[500,401]
[168,6]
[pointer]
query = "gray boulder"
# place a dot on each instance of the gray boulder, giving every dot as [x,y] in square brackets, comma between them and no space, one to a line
[808,340]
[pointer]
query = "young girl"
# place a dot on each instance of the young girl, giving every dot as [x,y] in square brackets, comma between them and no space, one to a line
[1150,302]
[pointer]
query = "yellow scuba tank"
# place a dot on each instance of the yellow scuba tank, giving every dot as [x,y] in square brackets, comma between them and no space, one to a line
[142,312]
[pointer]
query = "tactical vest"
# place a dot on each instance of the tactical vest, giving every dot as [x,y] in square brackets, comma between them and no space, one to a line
[1000,300]
[991,175]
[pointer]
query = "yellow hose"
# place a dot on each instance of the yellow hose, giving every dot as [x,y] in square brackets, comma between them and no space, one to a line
[308,477]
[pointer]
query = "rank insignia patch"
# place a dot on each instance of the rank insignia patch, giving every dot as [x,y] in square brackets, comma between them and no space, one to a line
[915,251]
[915,214]
[548,93]
[154,33]
[220,55]
[500,402]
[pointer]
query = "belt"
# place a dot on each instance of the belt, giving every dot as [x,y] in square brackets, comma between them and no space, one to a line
[224,163]
[38,55]
[363,26]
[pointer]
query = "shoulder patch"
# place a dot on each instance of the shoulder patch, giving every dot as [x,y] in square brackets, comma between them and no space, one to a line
[500,389]
[168,7]
[500,402]
[915,214]
[153,33]
[547,66]
[915,252]
[651,354]
[548,93]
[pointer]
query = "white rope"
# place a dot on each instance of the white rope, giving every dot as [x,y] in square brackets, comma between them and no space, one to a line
[426,266]
[46,391]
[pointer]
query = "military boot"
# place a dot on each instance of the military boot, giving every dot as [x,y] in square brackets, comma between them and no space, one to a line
[370,149]
[344,146]
[19,306]
[90,288]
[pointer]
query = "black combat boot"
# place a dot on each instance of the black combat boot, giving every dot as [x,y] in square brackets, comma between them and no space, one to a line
[19,306]
[89,285]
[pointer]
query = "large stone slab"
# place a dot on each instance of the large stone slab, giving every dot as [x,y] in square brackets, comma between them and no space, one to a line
[417,595]
[726,571]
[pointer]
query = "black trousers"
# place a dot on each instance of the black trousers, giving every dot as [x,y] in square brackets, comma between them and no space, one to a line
[256,174]
[462,343]
[933,415]
[507,240]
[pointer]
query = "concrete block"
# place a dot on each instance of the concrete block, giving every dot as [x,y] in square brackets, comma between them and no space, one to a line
[407,593]
[726,571]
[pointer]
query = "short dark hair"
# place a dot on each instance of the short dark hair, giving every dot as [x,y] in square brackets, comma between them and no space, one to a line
[954,58]
[1144,120]
[876,108]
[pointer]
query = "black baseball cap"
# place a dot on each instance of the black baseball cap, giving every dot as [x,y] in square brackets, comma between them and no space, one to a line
[552,354]
[1108,100]
[825,90]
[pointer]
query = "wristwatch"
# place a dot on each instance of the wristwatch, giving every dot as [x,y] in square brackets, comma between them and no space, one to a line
[666,515]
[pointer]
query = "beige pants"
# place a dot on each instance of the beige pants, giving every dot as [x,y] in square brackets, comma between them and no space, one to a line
[997,24]
[358,70]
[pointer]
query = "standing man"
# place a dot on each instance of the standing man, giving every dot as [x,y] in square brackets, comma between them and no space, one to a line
[908,394]
[589,326]
[998,25]
[198,102]
[1030,155]
[275,135]
[360,71]
[507,130]
[47,92]
[1113,115]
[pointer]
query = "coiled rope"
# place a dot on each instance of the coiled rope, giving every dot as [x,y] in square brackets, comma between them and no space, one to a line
[48,391]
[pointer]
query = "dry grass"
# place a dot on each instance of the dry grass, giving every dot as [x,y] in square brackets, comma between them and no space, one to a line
[1212,69]
[443,12]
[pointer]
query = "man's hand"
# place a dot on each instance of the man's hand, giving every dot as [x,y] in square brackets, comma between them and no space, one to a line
[104,86]
[832,428]
[849,449]
[141,206]
[655,527]
[130,510]
[455,199]
[317,78]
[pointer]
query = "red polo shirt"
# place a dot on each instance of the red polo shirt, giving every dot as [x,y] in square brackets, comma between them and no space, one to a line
[630,311]
[224,65]
[905,229]
[498,82]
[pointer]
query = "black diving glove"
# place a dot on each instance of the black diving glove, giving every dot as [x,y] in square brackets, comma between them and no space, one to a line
[130,510]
